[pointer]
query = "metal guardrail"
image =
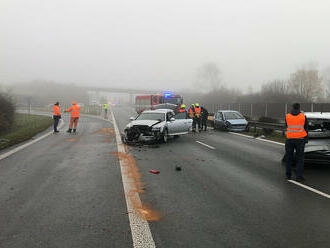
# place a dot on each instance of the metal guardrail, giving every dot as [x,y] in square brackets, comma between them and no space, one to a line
[266,125]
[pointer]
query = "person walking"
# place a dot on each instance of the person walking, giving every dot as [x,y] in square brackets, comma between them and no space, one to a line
[56,115]
[105,107]
[204,118]
[75,114]
[296,138]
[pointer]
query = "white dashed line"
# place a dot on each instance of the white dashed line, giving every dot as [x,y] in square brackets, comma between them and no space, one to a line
[251,137]
[21,147]
[310,188]
[140,230]
[203,144]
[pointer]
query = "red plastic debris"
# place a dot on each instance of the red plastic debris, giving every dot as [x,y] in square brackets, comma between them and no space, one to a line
[154,171]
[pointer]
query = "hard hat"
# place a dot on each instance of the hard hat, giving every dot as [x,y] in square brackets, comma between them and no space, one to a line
[74,103]
[183,106]
[197,104]
[193,105]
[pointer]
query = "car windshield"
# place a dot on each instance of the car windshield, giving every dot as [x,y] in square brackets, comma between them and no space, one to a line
[151,116]
[232,115]
[173,100]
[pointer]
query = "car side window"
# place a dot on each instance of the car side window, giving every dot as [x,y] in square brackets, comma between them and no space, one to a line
[169,115]
[219,116]
[179,116]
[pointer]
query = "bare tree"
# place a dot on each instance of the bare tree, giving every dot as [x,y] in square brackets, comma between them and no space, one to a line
[326,81]
[306,83]
[209,75]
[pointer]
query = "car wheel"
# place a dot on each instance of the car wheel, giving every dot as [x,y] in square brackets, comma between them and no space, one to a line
[165,136]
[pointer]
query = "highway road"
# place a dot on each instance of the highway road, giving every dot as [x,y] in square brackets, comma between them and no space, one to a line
[67,191]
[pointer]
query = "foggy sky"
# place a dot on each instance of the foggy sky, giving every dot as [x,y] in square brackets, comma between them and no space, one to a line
[160,43]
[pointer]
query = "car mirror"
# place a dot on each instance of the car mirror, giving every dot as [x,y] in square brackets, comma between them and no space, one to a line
[131,118]
[172,119]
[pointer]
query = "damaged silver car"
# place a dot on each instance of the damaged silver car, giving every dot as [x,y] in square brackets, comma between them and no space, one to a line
[156,125]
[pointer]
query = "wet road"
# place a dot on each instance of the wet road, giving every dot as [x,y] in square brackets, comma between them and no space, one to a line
[66,191]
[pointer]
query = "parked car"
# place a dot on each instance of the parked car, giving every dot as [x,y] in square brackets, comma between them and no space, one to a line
[318,124]
[230,120]
[317,150]
[156,125]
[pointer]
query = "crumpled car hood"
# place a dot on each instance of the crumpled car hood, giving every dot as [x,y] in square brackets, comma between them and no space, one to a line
[142,123]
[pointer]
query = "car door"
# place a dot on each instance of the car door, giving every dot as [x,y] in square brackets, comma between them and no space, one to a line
[218,120]
[171,125]
[181,125]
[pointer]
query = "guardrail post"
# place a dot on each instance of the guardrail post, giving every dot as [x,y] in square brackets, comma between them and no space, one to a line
[239,107]
[286,109]
[251,111]
[312,107]
[255,127]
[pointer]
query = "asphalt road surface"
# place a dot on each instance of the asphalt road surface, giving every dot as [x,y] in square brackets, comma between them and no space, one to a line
[66,191]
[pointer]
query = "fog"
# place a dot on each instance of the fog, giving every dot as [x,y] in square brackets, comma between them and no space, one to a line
[160,43]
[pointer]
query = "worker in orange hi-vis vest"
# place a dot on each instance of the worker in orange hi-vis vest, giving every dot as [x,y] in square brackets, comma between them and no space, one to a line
[75,114]
[296,138]
[56,115]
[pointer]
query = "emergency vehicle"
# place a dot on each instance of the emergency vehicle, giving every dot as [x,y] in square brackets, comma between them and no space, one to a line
[147,102]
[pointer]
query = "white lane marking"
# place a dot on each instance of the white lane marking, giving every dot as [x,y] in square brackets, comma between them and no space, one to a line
[21,147]
[203,144]
[251,137]
[310,188]
[140,229]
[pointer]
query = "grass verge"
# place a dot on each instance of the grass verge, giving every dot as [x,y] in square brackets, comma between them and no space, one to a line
[24,128]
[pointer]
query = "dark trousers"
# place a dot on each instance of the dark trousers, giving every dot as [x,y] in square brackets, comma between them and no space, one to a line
[196,121]
[204,123]
[56,121]
[297,145]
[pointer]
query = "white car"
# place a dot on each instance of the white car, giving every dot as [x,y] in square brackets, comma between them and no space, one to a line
[318,124]
[156,125]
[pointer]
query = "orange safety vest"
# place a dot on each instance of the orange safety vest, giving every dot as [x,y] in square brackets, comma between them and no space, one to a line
[295,126]
[198,112]
[75,111]
[56,110]
[181,110]
[191,113]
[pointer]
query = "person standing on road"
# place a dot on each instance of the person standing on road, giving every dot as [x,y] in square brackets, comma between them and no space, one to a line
[56,115]
[198,112]
[75,114]
[105,107]
[297,137]
[191,113]
[204,118]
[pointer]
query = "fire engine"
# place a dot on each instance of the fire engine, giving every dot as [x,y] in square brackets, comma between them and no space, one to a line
[157,101]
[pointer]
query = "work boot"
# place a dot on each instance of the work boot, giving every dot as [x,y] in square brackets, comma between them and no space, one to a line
[74,130]
[69,130]
[56,131]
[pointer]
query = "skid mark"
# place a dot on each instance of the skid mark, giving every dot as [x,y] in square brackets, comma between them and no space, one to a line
[132,172]
[107,133]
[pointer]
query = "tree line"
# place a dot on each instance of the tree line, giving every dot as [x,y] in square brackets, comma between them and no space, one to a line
[306,84]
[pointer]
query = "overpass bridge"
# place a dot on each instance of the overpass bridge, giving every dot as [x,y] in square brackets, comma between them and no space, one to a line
[98,95]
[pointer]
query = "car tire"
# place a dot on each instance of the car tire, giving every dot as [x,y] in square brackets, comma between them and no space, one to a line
[165,136]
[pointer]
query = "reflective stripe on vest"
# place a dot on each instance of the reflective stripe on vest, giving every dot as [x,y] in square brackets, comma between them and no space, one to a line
[75,111]
[182,110]
[295,126]
[56,110]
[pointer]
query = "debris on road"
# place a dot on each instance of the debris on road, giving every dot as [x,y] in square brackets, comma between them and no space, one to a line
[154,171]
[178,168]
